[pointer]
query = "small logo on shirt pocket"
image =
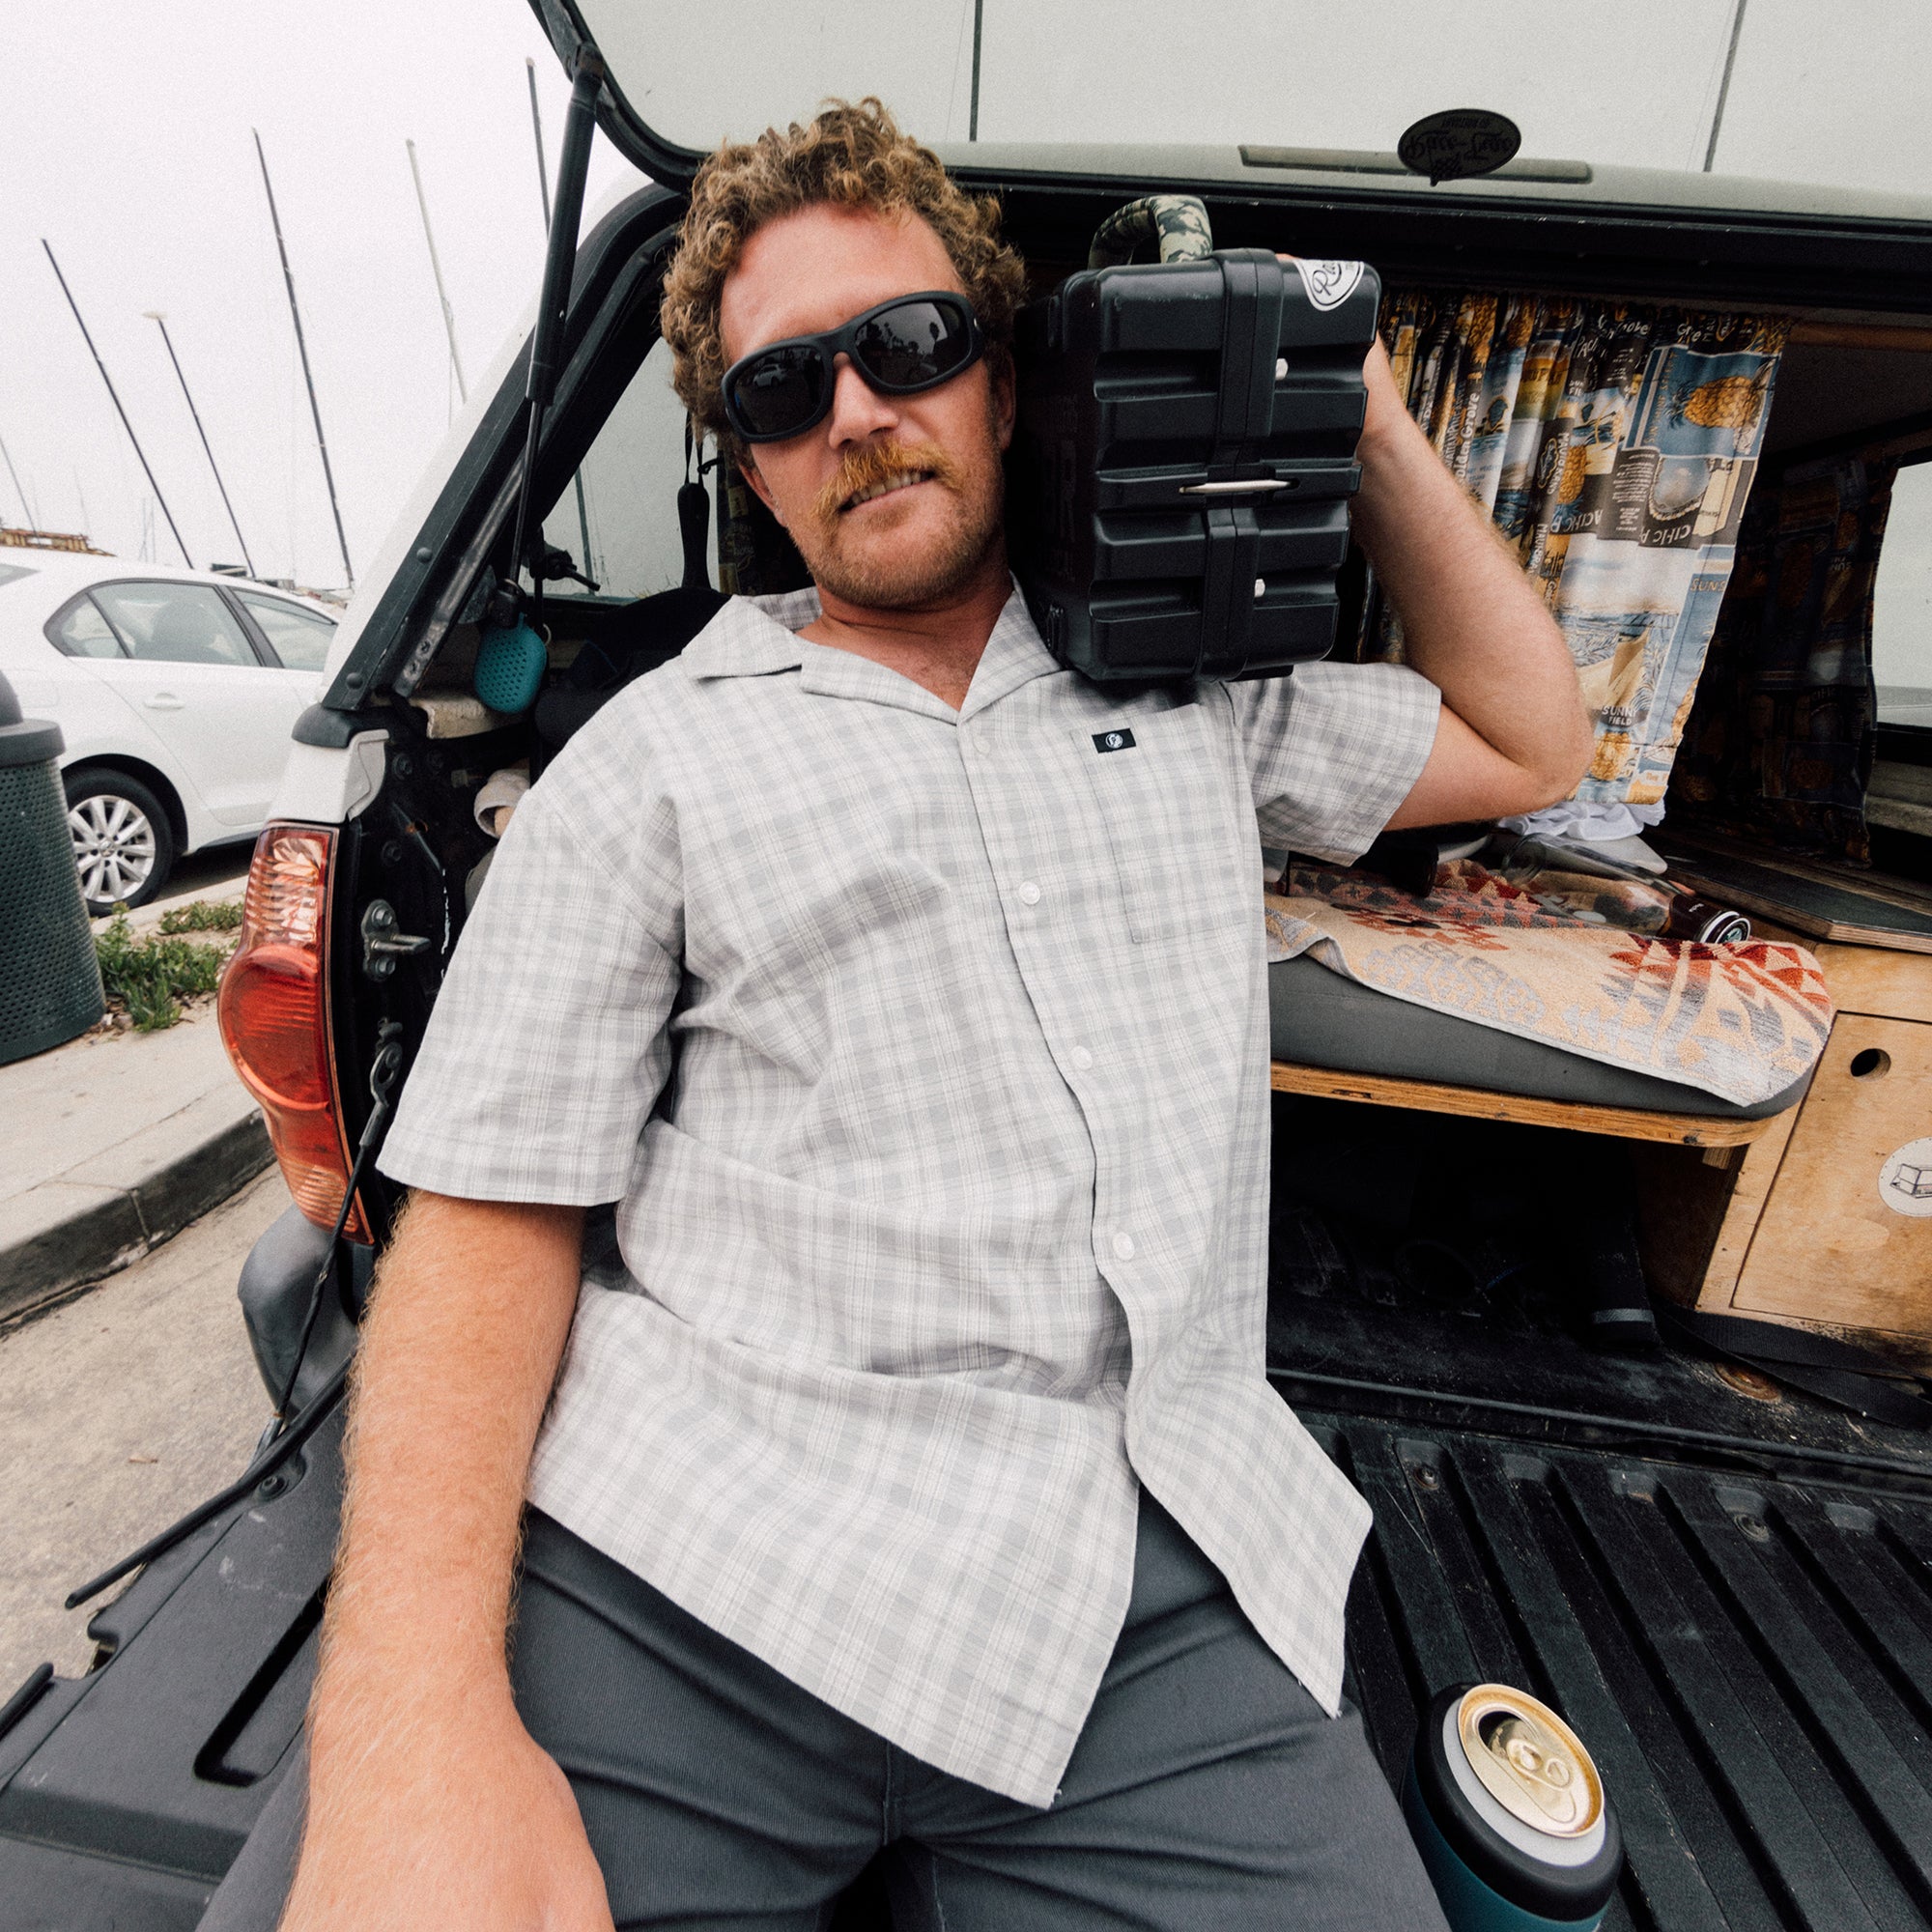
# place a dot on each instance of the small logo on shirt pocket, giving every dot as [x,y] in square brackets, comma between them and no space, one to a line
[1113,741]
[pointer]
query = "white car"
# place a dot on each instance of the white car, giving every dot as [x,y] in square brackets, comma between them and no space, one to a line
[176,692]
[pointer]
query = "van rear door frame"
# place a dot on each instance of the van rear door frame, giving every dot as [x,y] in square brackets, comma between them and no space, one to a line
[619,267]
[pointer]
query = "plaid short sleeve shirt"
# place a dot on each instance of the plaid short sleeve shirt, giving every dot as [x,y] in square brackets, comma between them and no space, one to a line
[924,1054]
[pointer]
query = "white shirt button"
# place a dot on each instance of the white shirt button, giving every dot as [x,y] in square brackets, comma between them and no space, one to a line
[1081,1058]
[1029,894]
[1123,1247]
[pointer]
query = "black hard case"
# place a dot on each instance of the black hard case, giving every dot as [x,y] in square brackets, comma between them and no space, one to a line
[1184,460]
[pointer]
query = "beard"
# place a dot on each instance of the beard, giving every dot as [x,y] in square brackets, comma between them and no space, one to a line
[902,569]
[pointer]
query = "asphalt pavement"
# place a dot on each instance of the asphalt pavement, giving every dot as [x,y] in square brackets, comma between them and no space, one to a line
[122,1409]
[215,872]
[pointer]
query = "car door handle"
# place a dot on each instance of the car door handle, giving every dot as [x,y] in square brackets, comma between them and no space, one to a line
[162,700]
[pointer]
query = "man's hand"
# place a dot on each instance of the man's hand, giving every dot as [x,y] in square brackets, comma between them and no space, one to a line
[449,1818]
[429,1804]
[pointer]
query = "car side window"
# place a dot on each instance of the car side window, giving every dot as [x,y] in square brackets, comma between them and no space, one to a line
[1902,603]
[617,517]
[82,632]
[176,623]
[298,636]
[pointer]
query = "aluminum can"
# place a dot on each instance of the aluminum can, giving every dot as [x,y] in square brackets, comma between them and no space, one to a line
[1509,1813]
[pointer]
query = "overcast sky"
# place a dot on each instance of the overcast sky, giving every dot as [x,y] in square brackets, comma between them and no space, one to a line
[125,140]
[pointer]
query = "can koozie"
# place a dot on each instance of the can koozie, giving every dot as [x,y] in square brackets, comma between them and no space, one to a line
[1510,1815]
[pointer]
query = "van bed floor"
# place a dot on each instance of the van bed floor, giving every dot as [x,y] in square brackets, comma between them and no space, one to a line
[1731,1600]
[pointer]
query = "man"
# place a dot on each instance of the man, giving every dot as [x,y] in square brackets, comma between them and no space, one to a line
[908,1477]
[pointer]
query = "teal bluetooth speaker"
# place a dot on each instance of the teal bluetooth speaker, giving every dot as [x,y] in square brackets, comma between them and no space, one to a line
[509,668]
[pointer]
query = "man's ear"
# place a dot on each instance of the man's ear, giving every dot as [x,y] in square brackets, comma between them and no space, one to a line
[1005,390]
[747,468]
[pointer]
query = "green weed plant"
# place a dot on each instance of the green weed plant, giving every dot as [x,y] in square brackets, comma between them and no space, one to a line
[151,977]
[204,916]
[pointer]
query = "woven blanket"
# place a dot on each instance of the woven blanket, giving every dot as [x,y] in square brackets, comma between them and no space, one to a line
[1570,961]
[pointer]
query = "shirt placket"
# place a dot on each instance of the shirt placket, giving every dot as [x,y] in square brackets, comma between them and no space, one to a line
[1049,942]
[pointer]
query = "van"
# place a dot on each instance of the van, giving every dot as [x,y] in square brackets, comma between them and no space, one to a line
[1712,1558]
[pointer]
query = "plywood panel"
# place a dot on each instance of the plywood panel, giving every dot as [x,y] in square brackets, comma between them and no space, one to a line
[1865,979]
[1695,1217]
[1828,1248]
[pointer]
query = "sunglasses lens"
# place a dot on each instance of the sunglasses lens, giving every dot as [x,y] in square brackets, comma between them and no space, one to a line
[914,344]
[777,393]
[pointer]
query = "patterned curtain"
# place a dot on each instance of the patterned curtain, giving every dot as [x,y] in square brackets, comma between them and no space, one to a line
[1780,741]
[1614,445]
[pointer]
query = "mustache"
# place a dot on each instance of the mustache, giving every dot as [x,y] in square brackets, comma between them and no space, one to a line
[871,464]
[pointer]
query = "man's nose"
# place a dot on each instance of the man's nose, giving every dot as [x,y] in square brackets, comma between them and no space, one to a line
[858,409]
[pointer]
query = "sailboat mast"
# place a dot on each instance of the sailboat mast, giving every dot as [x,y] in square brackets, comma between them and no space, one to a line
[436,266]
[302,348]
[19,490]
[160,322]
[116,400]
[536,128]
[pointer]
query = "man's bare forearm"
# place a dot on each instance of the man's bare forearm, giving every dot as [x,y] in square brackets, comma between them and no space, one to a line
[1472,624]
[473,1306]
[429,1804]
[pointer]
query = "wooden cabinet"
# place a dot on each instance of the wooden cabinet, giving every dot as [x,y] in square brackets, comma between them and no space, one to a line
[1825,1221]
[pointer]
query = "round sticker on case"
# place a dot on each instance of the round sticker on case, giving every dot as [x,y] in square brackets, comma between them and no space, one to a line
[1905,1180]
[1330,284]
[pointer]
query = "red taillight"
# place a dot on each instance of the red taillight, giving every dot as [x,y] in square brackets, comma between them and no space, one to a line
[273,1008]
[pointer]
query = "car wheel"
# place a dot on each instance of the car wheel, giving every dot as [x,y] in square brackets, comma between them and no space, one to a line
[123,846]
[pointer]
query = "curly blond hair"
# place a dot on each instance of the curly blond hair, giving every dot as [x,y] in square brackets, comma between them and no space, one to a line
[852,157]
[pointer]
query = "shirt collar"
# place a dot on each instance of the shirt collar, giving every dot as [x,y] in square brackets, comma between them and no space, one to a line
[1014,655]
[755,636]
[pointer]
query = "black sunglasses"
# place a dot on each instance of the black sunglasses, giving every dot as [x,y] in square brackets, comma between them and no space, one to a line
[903,346]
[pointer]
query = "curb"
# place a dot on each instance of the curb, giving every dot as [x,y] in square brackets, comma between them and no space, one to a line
[76,1231]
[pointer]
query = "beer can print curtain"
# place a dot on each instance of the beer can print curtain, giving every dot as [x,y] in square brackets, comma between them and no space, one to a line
[1614,445]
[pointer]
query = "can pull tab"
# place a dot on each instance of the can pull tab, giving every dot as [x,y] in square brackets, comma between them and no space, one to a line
[1534,1767]
[1530,1763]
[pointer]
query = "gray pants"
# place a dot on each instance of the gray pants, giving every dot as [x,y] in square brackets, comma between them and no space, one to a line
[1207,1789]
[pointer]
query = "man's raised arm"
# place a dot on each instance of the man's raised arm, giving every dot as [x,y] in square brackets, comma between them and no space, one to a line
[429,1804]
[1514,734]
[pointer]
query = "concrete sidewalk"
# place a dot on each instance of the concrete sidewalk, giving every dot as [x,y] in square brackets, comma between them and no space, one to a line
[111,1144]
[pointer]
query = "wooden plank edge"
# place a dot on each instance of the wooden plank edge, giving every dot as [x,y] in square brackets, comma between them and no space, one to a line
[1835,930]
[1482,1103]
[1863,882]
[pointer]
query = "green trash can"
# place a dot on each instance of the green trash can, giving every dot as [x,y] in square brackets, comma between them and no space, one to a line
[49,978]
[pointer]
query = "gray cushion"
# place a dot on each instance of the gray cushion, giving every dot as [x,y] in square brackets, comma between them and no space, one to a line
[1324,1019]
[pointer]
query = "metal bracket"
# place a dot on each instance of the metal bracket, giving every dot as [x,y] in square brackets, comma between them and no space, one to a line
[383,944]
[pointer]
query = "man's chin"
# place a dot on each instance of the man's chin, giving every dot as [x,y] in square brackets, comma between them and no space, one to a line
[902,569]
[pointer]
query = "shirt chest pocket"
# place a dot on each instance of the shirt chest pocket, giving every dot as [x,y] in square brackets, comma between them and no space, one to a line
[1181,852]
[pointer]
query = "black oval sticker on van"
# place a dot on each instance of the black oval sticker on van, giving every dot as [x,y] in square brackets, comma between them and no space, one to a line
[1460,142]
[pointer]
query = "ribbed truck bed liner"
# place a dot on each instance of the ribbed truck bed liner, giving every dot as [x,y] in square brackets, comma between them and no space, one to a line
[1749,1657]
[1750,1661]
